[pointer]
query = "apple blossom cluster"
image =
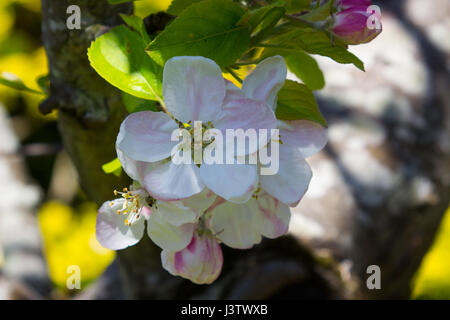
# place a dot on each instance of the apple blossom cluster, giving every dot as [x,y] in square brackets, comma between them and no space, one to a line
[352,24]
[190,209]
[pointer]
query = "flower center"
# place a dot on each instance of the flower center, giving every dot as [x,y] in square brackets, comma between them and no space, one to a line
[132,206]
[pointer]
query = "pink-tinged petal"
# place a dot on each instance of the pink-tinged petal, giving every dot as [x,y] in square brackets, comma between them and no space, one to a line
[111,230]
[350,26]
[193,88]
[237,225]
[146,212]
[266,80]
[169,181]
[166,235]
[246,114]
[275,216]
[175,213]
[307,136]
[146,136]
[293,177]
[233,182]
[201,261]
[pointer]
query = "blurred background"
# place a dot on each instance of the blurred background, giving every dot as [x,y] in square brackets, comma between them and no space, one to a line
[47,224]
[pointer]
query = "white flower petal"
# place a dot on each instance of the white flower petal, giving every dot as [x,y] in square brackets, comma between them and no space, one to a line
[176,215]
[266,80]
[246,114]
[134,169]
[167,236]
[233,182]
[146,136]
[128,165]
[237,225]
[193,88]
[111,230]
[169,181]
[309,137]
[293,177]
[232,92]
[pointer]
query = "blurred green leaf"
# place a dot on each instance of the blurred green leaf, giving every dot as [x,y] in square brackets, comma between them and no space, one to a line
[210,28]
[297,102]
[119,57]
[12,81]
[114,167]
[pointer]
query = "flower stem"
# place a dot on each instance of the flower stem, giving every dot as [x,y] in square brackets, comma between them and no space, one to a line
[298,21]
[234,74]
[247,63]
[275,46]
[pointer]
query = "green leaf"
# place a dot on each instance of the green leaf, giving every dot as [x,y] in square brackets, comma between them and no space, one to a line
[114,167]
[12,81]
[177,6]
[119,57]
[306,69]
[137,24]
[294,6]
[262,22]
[316,42]
[302,65]
[297,102]
[210,28]
[135,104]
[320,13]
[258,15]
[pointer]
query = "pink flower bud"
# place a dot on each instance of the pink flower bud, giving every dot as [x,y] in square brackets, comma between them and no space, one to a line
[201,261]
[345,4]
[351,26]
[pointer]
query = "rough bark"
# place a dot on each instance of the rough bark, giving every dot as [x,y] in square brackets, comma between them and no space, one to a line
[372,209]
[89,109]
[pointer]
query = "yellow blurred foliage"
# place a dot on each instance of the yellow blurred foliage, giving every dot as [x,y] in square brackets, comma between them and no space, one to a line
[432,280]
[69,239]
[143,8]
[28,66]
